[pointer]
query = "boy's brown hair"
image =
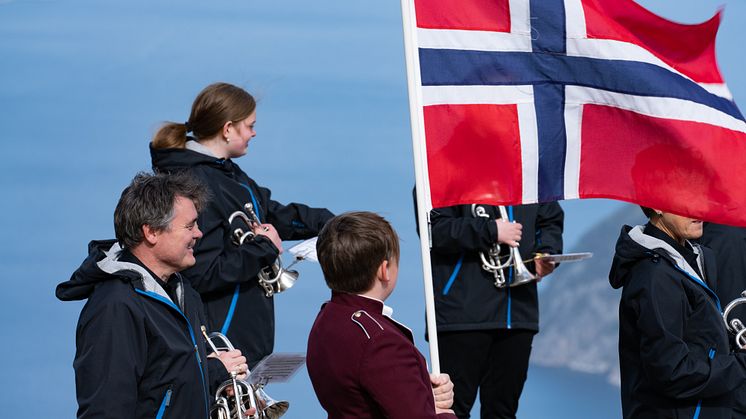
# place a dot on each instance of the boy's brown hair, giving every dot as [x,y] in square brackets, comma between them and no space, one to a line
[352,246]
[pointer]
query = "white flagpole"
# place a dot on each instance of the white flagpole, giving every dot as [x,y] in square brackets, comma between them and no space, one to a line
[424,203]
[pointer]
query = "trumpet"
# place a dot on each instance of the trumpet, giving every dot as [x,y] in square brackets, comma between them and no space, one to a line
[736,326]
[235,397]
[491,261]
[273,278]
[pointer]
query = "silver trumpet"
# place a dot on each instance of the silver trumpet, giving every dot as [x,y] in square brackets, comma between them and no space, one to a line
[235,397]
[273,278]
[491,261]
[735,326]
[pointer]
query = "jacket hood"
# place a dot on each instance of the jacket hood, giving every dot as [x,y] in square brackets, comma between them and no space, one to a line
[634,245]
[103,264]
[175,159]
[627,253]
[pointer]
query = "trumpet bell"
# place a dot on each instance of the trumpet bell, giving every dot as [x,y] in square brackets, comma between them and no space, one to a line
[277,280]
[286,280]
[270,408]
[521,275]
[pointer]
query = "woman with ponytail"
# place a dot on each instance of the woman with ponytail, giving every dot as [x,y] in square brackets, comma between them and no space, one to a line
[219,128]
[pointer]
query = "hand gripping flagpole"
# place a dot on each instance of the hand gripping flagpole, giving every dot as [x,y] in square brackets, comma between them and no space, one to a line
[424,203]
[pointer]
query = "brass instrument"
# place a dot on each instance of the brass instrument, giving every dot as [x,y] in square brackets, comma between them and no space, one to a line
[273,278]
[491,261]
[235,397]
[736,326]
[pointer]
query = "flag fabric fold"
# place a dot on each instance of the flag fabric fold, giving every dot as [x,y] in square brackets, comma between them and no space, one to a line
[536,101]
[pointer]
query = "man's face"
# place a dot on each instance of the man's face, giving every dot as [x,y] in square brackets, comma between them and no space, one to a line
[174,248]
[681,228]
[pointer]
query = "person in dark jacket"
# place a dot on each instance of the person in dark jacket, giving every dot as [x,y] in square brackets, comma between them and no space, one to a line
[140,352]
[674,350]
[485,332]
[222,122]
[362,363]
[729,245]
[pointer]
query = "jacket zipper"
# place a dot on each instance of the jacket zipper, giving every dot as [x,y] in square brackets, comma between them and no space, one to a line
[699,403]
[164,404]
[191,334]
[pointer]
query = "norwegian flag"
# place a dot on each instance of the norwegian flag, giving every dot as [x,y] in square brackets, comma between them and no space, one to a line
[535,101]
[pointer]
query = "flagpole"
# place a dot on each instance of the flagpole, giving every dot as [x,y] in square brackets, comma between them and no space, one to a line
[424,203]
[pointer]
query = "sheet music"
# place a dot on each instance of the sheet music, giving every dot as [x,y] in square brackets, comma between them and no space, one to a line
[277,368]
[567,257]
[305,250]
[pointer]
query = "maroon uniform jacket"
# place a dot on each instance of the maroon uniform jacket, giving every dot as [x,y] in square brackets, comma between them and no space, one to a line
[364,365]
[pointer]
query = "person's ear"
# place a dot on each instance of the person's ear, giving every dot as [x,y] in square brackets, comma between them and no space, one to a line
[383,272]
[227,129]
[149,234]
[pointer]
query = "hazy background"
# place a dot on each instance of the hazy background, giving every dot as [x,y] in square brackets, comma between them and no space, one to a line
[84,85]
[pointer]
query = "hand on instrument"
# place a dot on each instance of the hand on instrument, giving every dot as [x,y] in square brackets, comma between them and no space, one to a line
[543,268]
[508,232]
[234,362]
[442,392]
[268,230]
[248,410]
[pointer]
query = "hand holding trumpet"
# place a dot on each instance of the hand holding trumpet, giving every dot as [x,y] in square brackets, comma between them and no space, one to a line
[508,232]
[268,231]
[234,362]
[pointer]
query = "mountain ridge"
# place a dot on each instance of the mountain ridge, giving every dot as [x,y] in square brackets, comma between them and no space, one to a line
[579,309]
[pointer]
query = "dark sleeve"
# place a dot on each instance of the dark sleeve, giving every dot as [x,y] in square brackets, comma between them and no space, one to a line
[391,373]
[293,221]
[454,233]
[109,361]
[221,264]
[549,225]
[217,374]
[680,370]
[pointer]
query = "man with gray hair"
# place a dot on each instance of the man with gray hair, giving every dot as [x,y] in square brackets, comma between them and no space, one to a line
[140,351]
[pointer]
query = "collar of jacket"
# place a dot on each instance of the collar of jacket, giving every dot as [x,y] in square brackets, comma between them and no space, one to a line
[112,265]
[370,305]
[358,301]
[665,249]
[171,159]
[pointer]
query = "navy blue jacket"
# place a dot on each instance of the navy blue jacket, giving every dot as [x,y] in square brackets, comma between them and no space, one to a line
[674,350]
[465,295]
[226,275]
[138,353]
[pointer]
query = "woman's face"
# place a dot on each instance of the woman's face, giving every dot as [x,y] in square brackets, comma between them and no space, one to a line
[241,133]
[678,227]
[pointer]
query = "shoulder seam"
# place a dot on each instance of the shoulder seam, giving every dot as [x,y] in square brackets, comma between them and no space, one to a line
[358,314]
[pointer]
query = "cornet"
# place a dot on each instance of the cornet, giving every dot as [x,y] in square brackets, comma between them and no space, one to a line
[735,326]
[273,279]
[491,260]
[235,397]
